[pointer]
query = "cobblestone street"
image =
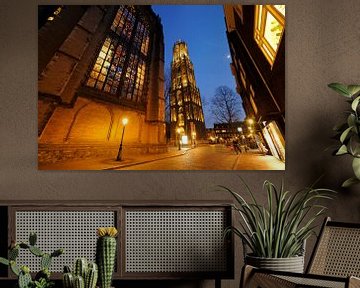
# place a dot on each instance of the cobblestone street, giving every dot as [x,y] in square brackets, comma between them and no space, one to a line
[212,157]
[204,157]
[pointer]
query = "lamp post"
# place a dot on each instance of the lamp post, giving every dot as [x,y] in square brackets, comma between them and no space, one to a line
[124,122]
[178,133]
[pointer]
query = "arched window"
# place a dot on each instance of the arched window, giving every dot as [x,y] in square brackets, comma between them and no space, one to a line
[122,64]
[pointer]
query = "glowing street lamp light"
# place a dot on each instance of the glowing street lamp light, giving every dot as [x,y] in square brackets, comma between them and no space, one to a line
[250,121]
[239,129]
[124,122]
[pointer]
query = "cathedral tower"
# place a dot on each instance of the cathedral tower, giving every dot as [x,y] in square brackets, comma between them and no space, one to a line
[187,118]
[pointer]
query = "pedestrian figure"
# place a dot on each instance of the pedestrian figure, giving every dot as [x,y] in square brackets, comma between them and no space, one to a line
[236,146]
[262,148]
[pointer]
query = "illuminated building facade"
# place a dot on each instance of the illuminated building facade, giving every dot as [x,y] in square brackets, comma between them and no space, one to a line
[97,66]
[228,131]
[256,36]
[186,114]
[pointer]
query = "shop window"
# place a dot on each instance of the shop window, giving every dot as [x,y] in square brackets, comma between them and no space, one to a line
[269,28]
[121,66]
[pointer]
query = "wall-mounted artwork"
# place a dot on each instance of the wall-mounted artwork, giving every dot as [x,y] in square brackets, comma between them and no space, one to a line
[161,87]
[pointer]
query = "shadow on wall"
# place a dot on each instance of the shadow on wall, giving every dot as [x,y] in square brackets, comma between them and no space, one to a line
[316,152]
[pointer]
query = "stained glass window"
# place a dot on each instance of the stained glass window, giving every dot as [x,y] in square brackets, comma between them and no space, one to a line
[122,63]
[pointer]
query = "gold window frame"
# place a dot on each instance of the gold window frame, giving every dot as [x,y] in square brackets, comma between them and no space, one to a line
[261,12]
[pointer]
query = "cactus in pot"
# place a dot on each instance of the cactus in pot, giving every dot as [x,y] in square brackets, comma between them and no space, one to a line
[85,275]
[106,254]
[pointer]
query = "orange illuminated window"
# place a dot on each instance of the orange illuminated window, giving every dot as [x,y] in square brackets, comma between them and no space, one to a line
[121,66]
[269,28]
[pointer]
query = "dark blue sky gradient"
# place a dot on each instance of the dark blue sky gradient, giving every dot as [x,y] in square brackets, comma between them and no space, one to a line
[202,27]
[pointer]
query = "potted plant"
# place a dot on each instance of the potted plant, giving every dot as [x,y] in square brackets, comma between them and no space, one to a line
[42,278]
[276,233]
[84,274]
[349,132]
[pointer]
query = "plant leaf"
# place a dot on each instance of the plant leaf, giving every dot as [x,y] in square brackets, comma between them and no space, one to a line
[4,261]
[345,134]
[349,182]
[351,120]
[356,167]
[353,89]
[354,145]
[340,88]
[342,150]
[355,103]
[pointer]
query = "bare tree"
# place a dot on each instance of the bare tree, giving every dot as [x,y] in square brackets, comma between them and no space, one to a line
[225,105]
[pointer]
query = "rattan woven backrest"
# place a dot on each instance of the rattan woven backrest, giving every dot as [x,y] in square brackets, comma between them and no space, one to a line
[338,250]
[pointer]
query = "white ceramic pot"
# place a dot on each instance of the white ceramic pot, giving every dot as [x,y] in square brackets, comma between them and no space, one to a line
[291,264]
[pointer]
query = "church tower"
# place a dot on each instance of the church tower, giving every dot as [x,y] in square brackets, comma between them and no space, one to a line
[187,118]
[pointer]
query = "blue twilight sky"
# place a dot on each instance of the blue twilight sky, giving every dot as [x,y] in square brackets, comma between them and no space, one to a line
[202,27]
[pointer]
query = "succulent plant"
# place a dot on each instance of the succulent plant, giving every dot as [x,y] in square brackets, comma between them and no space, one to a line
[42,278]
[106,254]
[85,275]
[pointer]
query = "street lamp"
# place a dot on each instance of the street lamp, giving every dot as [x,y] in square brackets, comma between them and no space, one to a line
[124,122]
[250,121]
[178,130]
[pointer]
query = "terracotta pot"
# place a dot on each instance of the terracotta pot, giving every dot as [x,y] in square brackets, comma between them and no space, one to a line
[291,264]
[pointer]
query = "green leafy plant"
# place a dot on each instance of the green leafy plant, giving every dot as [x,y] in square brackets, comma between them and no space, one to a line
[42,278]
[279,229]
[349,132]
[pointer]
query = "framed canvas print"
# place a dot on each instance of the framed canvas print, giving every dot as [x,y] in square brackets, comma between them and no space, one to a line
[161,87]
